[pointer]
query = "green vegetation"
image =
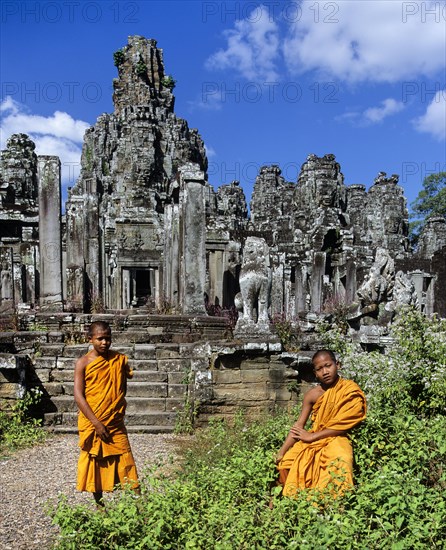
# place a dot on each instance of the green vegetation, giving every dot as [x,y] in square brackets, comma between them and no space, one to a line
[168,82]
[219,494]
[18,429]
[141,68]
[431,201]
[88,158]
[118,58]
[287,332]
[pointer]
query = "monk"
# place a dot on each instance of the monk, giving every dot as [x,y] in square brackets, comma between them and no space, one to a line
[100,384]
[323,455]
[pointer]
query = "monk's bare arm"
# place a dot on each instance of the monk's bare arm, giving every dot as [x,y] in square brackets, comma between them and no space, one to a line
[308,437]
[309,400]
[79,397]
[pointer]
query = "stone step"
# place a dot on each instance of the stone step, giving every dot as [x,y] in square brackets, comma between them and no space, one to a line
[52,349]
[64,376]
[62,404]
[148,376]
[76,350]
[143,364]
[156,418]
[151,419]
[135,336]
[144,351]
[134,389]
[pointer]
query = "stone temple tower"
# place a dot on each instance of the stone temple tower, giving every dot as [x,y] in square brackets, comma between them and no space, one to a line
[115,212]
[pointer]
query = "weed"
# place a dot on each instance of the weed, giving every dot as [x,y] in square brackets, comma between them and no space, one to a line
[337,309]
[97,303]
[18,428]
[36,326]
[75,336]
[168,82]
[287,331]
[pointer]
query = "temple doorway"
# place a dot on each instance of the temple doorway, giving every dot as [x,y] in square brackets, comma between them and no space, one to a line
[139,287]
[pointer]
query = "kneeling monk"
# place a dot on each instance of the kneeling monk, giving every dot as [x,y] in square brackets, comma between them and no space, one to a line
[100,384]
[323,455]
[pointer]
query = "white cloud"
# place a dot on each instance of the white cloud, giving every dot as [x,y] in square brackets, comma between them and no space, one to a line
[58,135]
[360,40]
[434,119]
[252,47]
[210,151]
[388,107]
[349,40]
[61,125]
[372,115]
[9,105]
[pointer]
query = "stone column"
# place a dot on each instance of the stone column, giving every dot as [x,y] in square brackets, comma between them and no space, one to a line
[126,281]
[300,289]
[350,281]
[171,254]
[192,239]
[50,233]
[75,262]
[317,278]
[216,277]
[277,287]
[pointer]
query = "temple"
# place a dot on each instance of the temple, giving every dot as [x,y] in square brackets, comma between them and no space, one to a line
[143,227]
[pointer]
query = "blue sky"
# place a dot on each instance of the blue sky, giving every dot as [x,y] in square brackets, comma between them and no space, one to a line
[264,82]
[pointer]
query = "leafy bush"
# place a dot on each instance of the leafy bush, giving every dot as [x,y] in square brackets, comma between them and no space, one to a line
[18,429]
[218,498]
[287,331]
[411,377]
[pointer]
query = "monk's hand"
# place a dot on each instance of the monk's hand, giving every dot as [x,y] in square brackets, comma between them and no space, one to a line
[302,434]
[278,457]
[101,431]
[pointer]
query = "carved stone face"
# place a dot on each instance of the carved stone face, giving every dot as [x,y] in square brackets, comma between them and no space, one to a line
[300,221]
[254,251]
[251,251]
[392,225]
[325,193]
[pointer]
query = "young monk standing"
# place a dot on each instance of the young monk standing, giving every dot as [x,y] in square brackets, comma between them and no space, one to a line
[100,384]
[312,459]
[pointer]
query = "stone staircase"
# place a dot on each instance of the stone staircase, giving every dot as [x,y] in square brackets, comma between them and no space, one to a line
[40,352]
[155,394]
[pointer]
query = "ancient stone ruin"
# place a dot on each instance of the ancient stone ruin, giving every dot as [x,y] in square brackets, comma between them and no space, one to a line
[149,244]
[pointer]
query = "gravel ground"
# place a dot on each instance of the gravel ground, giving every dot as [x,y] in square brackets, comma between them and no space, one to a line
[32,478]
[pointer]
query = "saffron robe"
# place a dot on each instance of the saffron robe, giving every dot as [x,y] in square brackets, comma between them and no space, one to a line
[103,464]
[315,465]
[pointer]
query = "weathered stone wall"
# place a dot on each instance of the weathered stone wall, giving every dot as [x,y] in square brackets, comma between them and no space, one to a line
[215,377]
[254,377]
[133,223]
[14,378]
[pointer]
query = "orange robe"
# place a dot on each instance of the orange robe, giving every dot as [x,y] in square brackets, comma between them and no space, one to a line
[315,465]
[103,464]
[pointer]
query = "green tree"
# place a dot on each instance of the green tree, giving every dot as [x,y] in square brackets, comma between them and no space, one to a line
[431,201]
